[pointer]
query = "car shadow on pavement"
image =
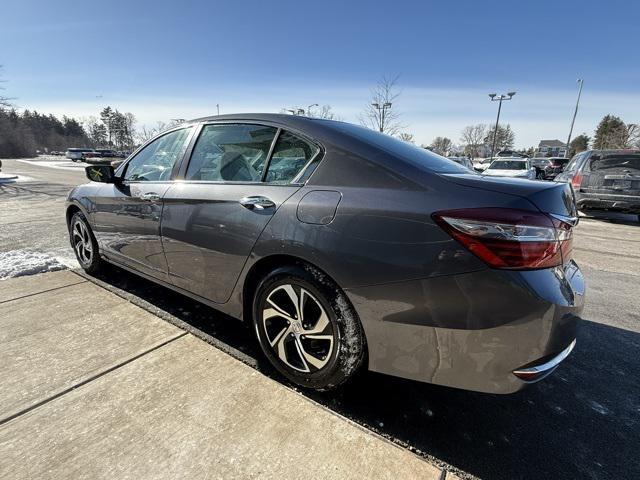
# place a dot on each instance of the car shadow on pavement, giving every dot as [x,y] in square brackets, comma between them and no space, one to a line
[581,422]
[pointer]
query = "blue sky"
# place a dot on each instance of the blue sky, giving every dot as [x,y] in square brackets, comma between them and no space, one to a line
[163,60]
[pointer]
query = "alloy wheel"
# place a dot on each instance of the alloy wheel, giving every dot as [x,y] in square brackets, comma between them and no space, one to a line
[82,242]
[298,328]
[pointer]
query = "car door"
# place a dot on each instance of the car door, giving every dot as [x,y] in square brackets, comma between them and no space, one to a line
[237,177]
[126,215]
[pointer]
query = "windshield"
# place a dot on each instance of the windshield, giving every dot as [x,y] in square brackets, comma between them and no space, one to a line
[508,165]
[420,157]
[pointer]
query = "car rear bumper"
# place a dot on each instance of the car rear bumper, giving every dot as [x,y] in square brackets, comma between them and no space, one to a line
[473,330]
[609,201]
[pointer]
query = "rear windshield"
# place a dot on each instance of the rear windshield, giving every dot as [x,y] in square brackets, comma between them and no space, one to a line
[420,157]
[508,165]
[538,162]
[625,162]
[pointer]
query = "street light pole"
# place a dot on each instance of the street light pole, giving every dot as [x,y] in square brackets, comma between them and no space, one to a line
[309,107]
[498,98]
[381,110]
[575,112]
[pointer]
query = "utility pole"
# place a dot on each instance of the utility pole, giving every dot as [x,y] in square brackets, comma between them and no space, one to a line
[498,98]
[381,111]
[575,112]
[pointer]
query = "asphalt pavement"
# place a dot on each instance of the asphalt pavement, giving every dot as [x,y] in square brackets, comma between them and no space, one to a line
[582,422]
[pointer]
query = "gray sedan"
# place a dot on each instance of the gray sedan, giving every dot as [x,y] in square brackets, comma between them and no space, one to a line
[344,249]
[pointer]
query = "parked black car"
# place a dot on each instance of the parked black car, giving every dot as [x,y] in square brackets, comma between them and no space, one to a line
[102,153]
[345,248]
[605,179]
[548,168]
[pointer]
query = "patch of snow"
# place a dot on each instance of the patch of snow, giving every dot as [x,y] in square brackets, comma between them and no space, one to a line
[17,263]
[60,164]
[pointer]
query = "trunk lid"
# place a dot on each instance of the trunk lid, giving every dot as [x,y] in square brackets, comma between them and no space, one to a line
[550,197]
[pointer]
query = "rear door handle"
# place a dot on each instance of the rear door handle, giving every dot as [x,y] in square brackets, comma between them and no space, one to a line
[150,196]
[256,202]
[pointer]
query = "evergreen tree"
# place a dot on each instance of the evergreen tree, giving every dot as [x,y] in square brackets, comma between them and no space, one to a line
[579,144]
[610,133]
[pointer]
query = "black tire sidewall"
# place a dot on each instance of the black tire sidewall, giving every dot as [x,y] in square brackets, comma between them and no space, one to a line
[95,257]
[349,336]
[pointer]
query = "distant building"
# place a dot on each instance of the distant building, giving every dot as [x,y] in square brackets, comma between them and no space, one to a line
[551,148]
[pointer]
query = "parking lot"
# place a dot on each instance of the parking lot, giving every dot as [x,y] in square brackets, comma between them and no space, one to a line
[582,422]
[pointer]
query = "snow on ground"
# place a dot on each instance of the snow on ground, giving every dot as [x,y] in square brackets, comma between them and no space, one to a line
[17,263]
[59,164]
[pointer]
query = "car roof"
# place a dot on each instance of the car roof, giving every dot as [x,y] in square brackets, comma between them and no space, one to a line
[294,120]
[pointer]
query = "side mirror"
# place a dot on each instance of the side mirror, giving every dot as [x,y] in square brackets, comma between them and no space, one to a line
[101,173]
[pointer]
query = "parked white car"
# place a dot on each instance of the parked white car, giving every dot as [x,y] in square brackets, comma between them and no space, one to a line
[77,154]
[483,164]
[511,167]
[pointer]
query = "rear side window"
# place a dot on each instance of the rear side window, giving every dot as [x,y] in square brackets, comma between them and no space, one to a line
[574,163]
[415,155]
[289,158]
[231,153]
[622,162]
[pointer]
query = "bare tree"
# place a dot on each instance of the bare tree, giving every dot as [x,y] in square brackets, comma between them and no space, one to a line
[472,138]
[381,113]
[323,111]
[505,138]
[441,145]
[406,137]
[635,135]
[630,136]
[146,133]
[5,102]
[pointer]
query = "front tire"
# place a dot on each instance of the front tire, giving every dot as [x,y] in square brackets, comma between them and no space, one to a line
[84,243]
[307,328]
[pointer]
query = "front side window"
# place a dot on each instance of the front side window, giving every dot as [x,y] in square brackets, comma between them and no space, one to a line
[290,156]
[231,153]
[155,162]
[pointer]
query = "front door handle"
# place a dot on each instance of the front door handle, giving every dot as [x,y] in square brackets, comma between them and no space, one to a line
[256,202]
[150,196]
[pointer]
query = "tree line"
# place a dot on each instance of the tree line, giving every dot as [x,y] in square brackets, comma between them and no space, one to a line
[26,133]
[23,134]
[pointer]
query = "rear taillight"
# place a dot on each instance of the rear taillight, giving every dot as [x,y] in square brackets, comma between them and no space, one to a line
[508,238]
[576,181]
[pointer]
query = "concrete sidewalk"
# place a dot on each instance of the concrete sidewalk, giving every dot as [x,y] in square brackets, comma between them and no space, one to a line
[95,387]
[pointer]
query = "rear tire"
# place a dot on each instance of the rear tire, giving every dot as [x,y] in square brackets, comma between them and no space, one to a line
[307,328]
[84,243]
